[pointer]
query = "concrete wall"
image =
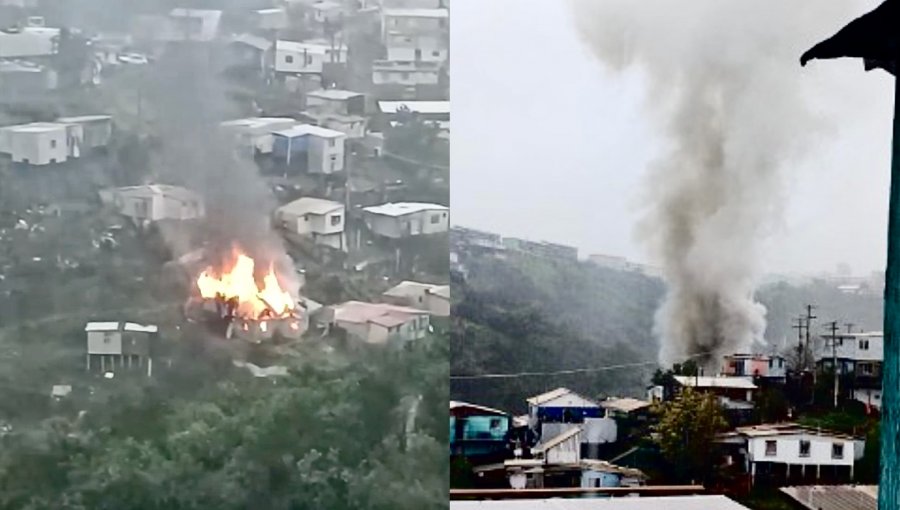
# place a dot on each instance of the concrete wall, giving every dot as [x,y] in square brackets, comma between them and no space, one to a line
[788,450]
[409,48]
[326,155]
[104,342]
[39,148]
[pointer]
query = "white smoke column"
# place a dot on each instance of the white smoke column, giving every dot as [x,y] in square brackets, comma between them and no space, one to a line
[724,86]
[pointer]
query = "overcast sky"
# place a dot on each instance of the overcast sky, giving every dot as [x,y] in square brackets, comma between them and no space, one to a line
[548,144]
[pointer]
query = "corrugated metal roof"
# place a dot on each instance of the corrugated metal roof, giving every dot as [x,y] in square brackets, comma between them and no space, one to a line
[403,208]
[552,395]
[455,404]
[102,326]
[742,383]
[418,13]
[140,328]
[703,502]
[336,94]
[835,497]
[311,205]
[625,405]
[415,106]
[309,129]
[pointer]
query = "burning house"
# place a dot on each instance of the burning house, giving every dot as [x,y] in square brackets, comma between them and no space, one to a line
[249,305]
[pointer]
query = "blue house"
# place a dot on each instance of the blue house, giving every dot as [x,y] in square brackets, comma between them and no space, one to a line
[478,431]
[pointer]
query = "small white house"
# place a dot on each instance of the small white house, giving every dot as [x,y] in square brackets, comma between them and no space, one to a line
[798,448]
[307,57]
[322,220]
[424,296]
[125,345]
[407,219]
[39,143]
[416,47]
[354,126]
[96,130]
[389,72]
[380,323]
[155,202]
[320,149]
[254,134]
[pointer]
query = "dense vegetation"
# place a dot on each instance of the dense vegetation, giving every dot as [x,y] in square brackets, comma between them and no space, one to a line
[526,314]
[327,436]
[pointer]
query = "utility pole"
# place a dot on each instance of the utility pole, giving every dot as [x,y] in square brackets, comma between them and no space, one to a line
[799,325]
[809,317]
[833,326]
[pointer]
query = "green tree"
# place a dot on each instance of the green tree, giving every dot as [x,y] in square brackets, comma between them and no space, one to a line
[686,431]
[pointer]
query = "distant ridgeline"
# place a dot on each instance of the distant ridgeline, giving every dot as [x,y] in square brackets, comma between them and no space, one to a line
[525,310]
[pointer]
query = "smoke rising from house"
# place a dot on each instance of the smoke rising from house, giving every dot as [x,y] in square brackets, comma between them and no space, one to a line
[725,88]
[190,99]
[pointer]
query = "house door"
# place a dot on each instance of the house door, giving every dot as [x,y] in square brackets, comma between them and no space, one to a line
[418,54]
[415,227]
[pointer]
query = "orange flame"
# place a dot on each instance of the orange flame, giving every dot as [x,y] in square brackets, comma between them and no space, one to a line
[239,283]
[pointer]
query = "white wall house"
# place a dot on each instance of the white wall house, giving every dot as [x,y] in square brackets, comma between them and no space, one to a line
[254,134]
[380,323]
[29,42]
[155,202]
[322,220]
[859,347]
[407,219]
[324,148]
[806,449]
[353,126]
[388,72]
[424,296]
[39,143]
[416,47]
[96,130]
[306,57]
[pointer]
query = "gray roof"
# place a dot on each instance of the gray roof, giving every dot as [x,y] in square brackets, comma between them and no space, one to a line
[703,502]
[835,497]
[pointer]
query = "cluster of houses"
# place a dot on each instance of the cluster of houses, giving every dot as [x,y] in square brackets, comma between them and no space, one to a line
[564,436]
[51,143]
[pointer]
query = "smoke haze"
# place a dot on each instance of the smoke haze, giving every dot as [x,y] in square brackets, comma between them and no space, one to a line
[190,101]
[727,91]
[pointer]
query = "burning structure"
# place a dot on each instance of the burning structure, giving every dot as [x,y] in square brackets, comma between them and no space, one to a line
[252,306]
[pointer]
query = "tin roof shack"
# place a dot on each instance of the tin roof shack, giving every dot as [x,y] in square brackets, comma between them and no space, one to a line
[269,19]
[124,344]
[23,42]
[834,497]
[554,412]
[735,394]
[253,135]
[96,130]
[478,433]
[435,299]
[316,218]
[786,453]
[154,202]
[407,219]
[22,80]
[37,144]
[558,463]
[344,102]
[313,149]
[379,323]
[310,57]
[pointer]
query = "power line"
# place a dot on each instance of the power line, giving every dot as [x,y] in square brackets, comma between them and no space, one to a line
[567,372]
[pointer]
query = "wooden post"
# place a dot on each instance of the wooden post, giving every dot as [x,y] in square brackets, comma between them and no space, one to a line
[889,481]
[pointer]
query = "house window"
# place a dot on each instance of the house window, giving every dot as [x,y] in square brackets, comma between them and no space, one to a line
[837,450]
[804,448]
[333,163]
[865,368]
[435,53]
[289,59]
[52,144]
[435,219]
[335,220]
[309,60]
[305,217]
[331,143]
[864,345]
[771,448]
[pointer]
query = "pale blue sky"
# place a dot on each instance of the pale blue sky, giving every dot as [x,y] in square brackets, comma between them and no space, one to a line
[548,144]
